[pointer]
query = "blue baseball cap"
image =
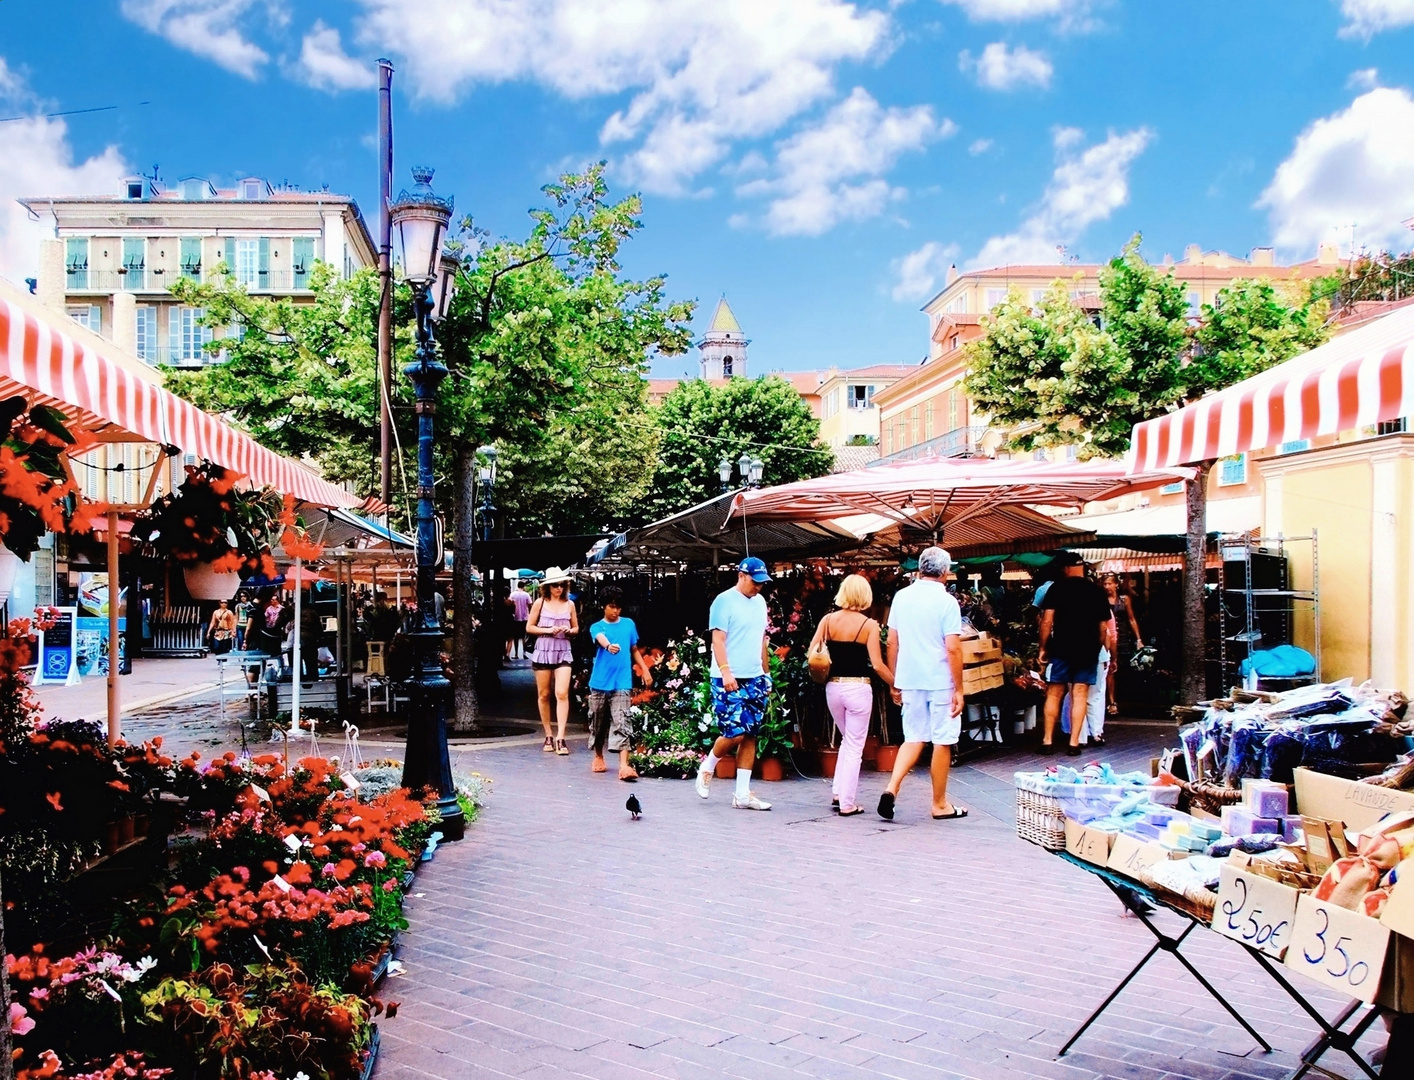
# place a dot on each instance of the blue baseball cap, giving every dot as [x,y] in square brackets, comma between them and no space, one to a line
[755,568]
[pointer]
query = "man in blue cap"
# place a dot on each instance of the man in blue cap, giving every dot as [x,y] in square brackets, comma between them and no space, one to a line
[740,683]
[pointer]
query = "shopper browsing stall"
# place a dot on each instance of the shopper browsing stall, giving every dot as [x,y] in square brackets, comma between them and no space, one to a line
[1074,616]
[925,655]
[852,639]
[740,683]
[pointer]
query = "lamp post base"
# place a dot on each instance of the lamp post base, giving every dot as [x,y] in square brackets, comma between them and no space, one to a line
[428,763]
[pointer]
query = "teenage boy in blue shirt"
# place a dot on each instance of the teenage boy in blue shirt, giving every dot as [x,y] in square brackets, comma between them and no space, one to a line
[611,682]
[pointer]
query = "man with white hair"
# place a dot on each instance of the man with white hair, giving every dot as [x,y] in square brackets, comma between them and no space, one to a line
[925,655]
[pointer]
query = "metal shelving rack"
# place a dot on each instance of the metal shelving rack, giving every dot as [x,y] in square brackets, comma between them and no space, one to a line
[1267,613]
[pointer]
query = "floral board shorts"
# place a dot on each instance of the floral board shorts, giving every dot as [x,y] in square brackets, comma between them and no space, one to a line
[740,711]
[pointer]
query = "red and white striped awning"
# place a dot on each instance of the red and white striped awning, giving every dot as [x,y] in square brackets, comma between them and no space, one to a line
[1359,378]
[47,366]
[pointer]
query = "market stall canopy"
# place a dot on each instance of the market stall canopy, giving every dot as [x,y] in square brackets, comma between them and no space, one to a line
[699,536]
[353,537]
[1000,530]
[943,496]
[1360,378]
[48,366]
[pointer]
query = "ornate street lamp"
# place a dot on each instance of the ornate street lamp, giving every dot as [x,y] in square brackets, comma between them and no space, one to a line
[486,473]
[419,220]
[757,468]
[743,468]
[724,470]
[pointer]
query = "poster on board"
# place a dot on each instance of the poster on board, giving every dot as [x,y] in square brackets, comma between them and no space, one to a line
[91,625]
[57,654]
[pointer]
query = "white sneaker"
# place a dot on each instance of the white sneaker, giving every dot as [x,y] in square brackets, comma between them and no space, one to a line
[704,782]
[751,802]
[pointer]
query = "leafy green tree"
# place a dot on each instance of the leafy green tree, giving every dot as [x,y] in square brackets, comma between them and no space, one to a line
[700,423]
[1086,385]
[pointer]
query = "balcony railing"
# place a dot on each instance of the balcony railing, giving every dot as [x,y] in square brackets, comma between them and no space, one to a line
[959,442]
[166,355]
[159,281]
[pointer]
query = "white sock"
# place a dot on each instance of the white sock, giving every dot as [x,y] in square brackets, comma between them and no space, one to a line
[743,783]
[709,763]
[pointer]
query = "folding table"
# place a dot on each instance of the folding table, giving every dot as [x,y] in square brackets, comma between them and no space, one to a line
[1335,1035]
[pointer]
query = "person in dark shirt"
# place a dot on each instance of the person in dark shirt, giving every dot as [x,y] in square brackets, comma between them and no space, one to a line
[1074,615]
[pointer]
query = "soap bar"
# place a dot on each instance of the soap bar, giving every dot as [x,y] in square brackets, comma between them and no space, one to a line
[1266,825]
[1206,830]
[1144,828]
[1269,802]
[1290,827]
[1237,821]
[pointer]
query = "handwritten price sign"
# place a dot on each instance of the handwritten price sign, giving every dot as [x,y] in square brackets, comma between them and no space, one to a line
[1254,910]
[1342,949]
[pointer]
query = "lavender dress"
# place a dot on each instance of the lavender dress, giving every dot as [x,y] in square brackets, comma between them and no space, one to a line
[551,651]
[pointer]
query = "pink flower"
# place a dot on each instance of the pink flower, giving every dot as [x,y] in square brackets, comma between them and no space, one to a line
[375,858]
[389,885]
[20,1023]
[329,869]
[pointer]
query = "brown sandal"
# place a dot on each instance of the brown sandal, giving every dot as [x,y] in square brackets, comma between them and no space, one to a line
[562,748]
[548,746]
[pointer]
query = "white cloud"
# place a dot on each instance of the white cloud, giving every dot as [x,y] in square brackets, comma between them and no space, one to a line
[1368,17]
[1086,187]
[998,69]
[1073,15]
[916,274]
[1354,167]
[207,28]
[1364,79]
[831,172]
[979,146]
[36,159]
[324,65]
[702,73]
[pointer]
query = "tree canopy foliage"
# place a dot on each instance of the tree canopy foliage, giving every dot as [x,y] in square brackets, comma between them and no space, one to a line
[700,423]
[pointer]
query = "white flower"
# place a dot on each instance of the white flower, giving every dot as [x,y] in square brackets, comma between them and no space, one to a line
[301,1076]
[702,725]
[686,671]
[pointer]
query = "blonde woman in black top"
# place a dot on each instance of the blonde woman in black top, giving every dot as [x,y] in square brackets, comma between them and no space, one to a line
[853,641]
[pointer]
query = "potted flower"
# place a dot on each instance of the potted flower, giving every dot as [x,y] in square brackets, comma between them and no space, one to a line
[773,740]
[215,531]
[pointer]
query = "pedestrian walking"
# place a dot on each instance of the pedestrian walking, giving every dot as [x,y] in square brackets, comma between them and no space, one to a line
[852,638]
[244,608]
[222,629]
[519,601]
[740,683]
[611,683]
[552,621]
[1074,619]
[925,655]
[1128,639]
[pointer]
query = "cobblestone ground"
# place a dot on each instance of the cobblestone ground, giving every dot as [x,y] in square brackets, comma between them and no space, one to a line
[562,939]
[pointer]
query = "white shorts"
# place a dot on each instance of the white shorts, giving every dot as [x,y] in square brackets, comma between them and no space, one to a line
[927,717]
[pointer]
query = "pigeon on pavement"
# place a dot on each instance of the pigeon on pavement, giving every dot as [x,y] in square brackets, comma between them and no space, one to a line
[634,807]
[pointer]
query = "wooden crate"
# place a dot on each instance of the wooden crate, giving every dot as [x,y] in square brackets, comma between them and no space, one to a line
[981,665]
[987,677]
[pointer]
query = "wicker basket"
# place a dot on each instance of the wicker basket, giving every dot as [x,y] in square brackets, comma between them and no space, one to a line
[1209,796]
[1039,819]
[1040,814]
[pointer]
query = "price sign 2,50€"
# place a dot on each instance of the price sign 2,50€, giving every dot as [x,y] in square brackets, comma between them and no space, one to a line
[1342,949]
[1255,910]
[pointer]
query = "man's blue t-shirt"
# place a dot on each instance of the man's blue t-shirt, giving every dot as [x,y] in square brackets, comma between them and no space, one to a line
[743,618]
[613,671]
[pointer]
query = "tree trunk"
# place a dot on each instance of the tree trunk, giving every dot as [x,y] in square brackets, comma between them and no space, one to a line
[464,637]
[1193,685]
[7,1065]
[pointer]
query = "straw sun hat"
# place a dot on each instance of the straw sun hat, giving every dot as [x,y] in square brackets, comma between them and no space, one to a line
[554,576]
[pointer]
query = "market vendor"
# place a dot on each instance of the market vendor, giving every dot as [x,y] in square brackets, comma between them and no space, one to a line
[1074,617]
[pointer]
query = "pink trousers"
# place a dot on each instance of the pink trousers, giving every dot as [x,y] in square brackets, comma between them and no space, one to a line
[851,704]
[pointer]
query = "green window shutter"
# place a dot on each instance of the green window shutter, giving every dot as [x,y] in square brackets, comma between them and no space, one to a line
[301,260]
[231,254]
[191,257]
[76,262]
[264,264]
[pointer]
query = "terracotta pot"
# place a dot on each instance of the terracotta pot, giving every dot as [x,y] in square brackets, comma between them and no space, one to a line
[828,760]
[206,584]
[112,837]
[796,740]
[127,830]
[9,566]
[726,768]
[871,749]
[885,758]
[142,824]
[772,769]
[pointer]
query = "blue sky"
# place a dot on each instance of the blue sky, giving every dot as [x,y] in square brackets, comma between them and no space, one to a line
[820,162]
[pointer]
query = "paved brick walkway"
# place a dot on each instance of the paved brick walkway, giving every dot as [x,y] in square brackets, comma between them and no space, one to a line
[561,939]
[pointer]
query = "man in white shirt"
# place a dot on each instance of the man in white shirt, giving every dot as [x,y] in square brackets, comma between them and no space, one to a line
[741,683]
[925,655]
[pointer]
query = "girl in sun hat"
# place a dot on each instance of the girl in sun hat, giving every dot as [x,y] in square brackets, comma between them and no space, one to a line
[553,623]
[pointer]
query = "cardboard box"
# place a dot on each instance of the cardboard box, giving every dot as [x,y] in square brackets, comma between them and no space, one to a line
[1254,910]
[1345,950]
[1399,908]
[1358,805]
[1086,843]
[1131,854]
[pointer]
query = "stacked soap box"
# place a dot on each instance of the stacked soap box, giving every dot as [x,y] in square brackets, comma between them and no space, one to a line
[1189,835]
[1263,811]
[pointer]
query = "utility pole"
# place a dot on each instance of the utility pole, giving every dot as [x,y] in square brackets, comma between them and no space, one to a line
[385,280]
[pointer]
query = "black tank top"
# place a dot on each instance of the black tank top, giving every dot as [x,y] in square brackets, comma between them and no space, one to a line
[850,659]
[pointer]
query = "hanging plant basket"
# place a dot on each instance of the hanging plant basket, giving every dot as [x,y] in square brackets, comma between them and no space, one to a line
[9,567]
[205,583]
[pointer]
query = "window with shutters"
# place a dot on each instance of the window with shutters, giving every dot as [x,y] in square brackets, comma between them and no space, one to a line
[246,261]
[186,335]
[147,333]
[76,262]
[995,297]
[191,258]
[89,315]
[302,260]
[928,420]
[134,262]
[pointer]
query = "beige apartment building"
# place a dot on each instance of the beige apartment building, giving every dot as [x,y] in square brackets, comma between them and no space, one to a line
[116,256]
[928,413]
